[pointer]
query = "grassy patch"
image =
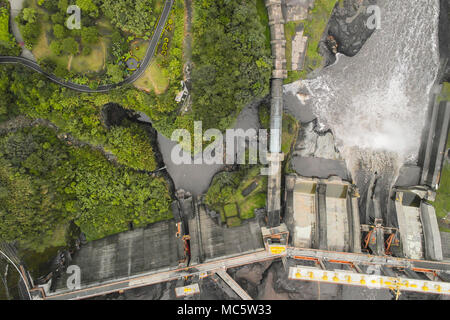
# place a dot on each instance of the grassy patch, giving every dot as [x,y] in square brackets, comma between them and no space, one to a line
[234,222]
[83,64]
[442,203]
[225,194]
[314,27]
[251,203]
[154,79]
[230,210]
[166,68]
[94,62]
[8,45]
[290,131]
[139,48]
[445,93]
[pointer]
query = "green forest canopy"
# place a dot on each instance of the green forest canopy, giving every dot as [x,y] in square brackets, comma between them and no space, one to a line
[45,184]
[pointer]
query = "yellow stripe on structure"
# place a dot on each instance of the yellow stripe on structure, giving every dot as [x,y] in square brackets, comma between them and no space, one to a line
[370,281]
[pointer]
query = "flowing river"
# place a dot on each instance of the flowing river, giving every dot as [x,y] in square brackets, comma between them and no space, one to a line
[376,102]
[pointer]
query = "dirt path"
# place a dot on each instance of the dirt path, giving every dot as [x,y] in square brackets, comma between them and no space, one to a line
[69,64]
[104,54]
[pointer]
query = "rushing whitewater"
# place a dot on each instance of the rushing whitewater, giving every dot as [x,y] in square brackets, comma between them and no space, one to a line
[376,102]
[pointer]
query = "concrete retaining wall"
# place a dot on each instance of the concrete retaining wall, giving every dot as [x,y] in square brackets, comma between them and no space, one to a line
[432,237]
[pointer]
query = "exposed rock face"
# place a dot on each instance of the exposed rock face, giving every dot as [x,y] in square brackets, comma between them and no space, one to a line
[313,144]
[347,25]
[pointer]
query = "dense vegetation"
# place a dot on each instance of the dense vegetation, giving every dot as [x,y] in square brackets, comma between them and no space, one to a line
[232,64]
[79,114]
[50,183]
[134,16]
[44,184]
[8,44]
[94,54]
[442,203]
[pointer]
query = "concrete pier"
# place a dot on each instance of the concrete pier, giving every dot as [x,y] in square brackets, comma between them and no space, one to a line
[233,285]
[278,43]
[209,241]
[417,222]
[434,141]
[322,214]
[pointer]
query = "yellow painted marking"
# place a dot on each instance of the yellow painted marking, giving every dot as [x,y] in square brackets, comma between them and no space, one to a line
[277,250]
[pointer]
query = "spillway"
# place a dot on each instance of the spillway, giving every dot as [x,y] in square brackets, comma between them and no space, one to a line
[376,102]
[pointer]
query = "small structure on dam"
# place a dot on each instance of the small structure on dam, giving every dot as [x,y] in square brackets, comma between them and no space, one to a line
[210,241]
[322,213]
[431,157]
[417,223]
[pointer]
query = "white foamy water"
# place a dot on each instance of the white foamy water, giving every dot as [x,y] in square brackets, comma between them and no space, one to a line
[376,102]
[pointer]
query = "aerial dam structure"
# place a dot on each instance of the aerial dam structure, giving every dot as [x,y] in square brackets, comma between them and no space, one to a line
[417,186]
[321,237]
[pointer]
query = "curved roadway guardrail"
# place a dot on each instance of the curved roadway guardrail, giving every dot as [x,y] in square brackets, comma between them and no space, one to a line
[103,88]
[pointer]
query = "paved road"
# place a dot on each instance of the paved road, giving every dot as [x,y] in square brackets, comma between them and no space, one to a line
[104,88]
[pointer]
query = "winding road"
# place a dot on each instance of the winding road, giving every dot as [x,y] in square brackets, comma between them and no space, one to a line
[103,88]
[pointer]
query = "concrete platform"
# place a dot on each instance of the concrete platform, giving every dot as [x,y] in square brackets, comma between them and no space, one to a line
[417,223]
[154,247]
[209,241]
[320,167]
[322,214]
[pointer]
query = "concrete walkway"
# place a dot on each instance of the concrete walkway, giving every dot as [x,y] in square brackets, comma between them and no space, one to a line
[233,285]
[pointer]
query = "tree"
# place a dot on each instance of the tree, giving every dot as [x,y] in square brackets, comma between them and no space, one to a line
[88,6]
[70,46]
[134,16]
[29,15]
[58,18]
[56,47]
[115,72]
[59,31]
[232,62]
[87,51]
[45,184]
